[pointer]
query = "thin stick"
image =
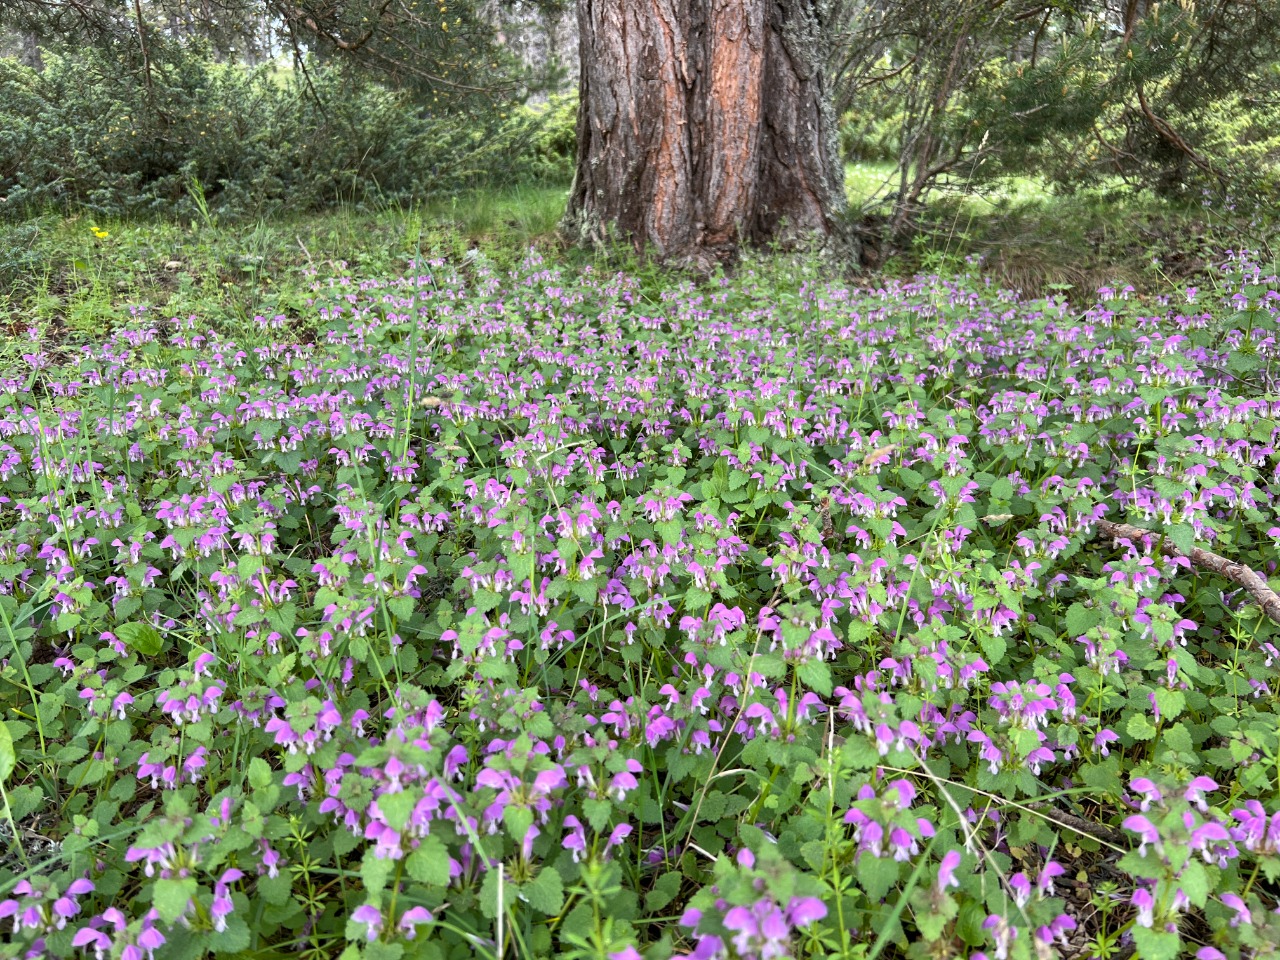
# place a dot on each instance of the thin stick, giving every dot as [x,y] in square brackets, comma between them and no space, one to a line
[1238,573]
[142,43]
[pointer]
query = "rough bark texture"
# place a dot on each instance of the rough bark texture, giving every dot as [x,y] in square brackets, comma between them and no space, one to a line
[704,124]
[30,55]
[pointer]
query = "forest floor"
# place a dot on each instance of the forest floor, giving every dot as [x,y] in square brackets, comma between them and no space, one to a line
[405,585]
[1036,241]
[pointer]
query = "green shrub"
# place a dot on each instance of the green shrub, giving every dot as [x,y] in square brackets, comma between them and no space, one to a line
[1244,133]
[557,138]
[871,135]
[86,134]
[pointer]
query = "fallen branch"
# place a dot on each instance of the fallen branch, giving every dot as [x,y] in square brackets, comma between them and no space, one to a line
[1237,573]
[1099,831]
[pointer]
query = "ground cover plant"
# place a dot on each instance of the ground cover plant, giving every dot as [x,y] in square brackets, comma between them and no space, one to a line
[536,611]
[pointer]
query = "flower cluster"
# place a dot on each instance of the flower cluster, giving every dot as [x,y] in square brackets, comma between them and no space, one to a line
[495,611]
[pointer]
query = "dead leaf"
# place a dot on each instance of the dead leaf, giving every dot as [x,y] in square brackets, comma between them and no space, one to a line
[877,453]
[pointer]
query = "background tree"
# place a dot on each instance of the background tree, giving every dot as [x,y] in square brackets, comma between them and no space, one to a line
[974,91]
[445,52]
[1137,90]
[171,106]
[708,123]
[703,124]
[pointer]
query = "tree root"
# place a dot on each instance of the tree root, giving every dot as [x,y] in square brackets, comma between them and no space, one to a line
[1237,573]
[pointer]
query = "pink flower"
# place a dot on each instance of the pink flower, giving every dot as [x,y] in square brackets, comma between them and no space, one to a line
[1146,831]
[88,937]
[802,911]
[1239,906]
[371,917]
[413,918]
[947,870]
[1145,904]
[575,838]
[1196,790]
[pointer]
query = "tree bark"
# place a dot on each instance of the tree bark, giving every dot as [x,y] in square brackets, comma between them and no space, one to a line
[30,55]
[704,124]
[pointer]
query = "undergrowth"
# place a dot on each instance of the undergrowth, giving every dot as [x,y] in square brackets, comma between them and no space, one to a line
[467,608]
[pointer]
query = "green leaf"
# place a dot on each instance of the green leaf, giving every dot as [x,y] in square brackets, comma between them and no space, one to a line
[1239,362]
[1194,882]
[344,841]
[259,773]
[141,637]
[375,871]
[696,598]
[1182,536]
[233,939]
[1177,738]
[70,753]
[184,944]
[586,590]
[545,893]
[248,565]
[289,461]
[816,675]
[672,531]
[401,607]
[170,897]
[283,617]
[276,890]
[598,813]
[932,913]
[876,875]
[517,820]
[1079,619]
[397,808]
[1156,944]
[429,864]
[993,648]
[489,893]
[969,923]
[913,479]
[486,600]
[1170,702]
[814,853]
[664,891]
[8,757]
[1139,727]
[1103,777]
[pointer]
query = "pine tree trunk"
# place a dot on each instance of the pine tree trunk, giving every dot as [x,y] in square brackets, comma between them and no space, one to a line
[704,124]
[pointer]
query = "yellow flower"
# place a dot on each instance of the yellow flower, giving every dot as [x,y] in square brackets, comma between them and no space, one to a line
[100,233]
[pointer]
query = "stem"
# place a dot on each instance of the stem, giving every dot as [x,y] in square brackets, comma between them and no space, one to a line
[26,676]
[13,828]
